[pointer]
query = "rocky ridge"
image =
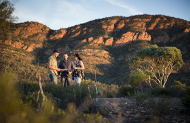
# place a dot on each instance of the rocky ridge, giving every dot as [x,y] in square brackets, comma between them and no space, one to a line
[32,35]
[106,44]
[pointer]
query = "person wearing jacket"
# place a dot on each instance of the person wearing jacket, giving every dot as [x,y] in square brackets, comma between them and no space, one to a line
[66,77]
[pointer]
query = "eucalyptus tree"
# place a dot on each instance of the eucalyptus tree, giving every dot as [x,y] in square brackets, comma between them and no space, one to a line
[6,18]
[154,64]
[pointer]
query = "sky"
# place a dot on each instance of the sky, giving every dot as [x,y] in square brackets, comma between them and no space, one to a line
[57,14]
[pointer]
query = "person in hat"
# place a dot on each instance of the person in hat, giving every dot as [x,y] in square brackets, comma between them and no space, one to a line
[52,65]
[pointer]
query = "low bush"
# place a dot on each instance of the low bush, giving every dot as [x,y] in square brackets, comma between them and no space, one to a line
[125,90]
[186,98]
[110,95]
[160,91]
[186,101]
[140,96]
[178,89]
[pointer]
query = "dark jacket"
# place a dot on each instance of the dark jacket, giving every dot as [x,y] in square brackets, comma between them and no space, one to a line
[65,65]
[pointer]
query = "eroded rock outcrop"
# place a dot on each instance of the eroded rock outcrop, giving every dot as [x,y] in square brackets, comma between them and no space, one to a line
[58,34]
[99,40]
[151,27]
[132,36]
[109,42]
[120,25]
[25,30]
[20,45]
[166,38]
[110,27]
[14,44]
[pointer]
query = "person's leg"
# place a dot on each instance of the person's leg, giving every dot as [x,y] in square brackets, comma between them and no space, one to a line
[53,78]
[69,80]
[75,79]
[63,81]
[79,80]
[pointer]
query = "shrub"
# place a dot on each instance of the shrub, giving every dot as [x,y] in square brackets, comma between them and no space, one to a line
[124,90]
[150,102]
[187,91]
[110,95]
[13,109]
[140,96]
[186,98]
[66,95]
[178,89]
[179,86]
[186,101]
[137,78]
[160,91]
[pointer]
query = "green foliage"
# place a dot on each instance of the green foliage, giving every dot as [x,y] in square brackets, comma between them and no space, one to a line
[6,10]
[179,86]
[110,95]
[140,96]
[156,62]
[13,109]
[137,78]
[125,90]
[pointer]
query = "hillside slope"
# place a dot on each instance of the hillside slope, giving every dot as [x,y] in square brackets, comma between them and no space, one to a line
[106,45]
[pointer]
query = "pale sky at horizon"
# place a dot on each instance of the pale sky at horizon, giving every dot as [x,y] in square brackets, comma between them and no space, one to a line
[58,14]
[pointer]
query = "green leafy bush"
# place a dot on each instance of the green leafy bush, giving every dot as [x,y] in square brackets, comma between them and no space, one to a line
[110,95]
[125,90]
[140,96]
[137,78]
[178,89]
[179,86]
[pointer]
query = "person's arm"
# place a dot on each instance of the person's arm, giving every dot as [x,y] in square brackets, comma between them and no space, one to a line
[54,68]
[59,67]
[80,68]
[72,67]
